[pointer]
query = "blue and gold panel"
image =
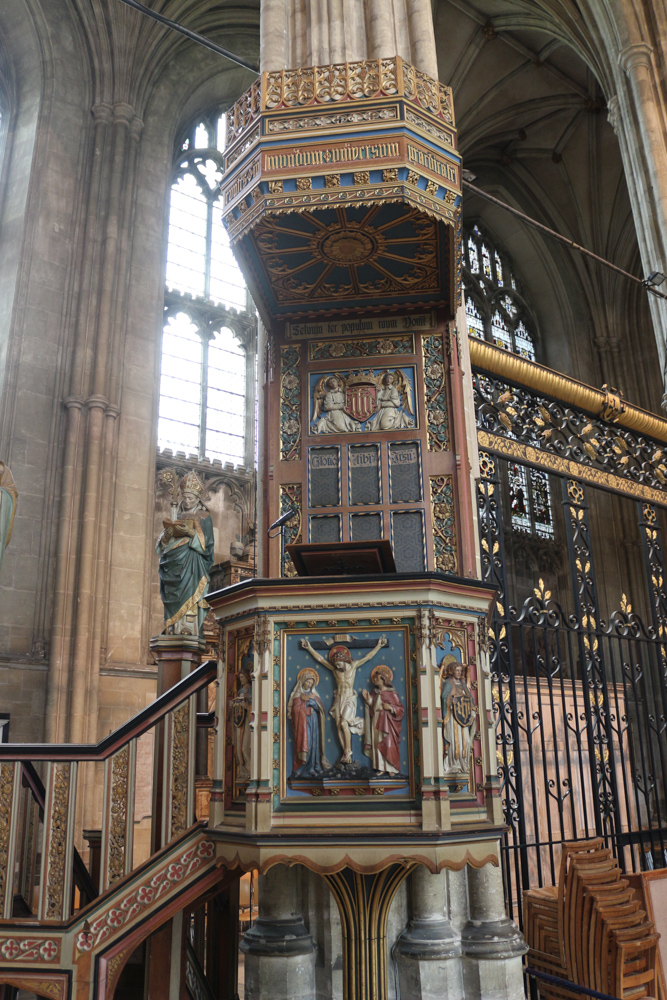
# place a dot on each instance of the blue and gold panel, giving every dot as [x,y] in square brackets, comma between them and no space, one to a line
[345,713]
[353,401]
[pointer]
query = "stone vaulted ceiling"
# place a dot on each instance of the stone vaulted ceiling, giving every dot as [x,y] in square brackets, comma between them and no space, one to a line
[533,127]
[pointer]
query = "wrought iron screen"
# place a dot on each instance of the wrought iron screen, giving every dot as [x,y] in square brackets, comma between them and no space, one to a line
[580,687]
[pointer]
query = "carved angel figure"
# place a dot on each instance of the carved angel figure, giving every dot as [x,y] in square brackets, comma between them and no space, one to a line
[394,400]
[329,416]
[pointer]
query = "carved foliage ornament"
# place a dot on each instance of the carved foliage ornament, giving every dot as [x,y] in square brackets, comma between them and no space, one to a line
[290,499]
[290,403]
[118,806]
[444,523]
[436,397]
[55,884]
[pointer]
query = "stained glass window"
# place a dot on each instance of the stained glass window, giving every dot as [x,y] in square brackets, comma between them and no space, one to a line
[530,501]
[519,501]
[475,321]
[473,256]
[499,269]
[509,306]
[496,310]
[203,378]
[500,334]
[486,261]
[524,342]
[541,497]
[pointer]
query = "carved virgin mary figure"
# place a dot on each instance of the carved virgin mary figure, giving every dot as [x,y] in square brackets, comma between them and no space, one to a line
[458,716]
[8,501]
[185,548]
[305,710]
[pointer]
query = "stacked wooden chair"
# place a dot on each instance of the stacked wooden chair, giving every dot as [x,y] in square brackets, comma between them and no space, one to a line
[590,930]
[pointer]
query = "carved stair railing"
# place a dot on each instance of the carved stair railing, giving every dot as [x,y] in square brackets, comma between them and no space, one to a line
[39,863]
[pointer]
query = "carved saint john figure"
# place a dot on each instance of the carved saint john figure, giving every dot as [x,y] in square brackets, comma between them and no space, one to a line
[344,708]
[458,716]
[383,719]
[305,710]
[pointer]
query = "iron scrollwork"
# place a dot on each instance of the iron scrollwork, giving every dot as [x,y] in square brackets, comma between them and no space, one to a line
[599,715]
[527,416]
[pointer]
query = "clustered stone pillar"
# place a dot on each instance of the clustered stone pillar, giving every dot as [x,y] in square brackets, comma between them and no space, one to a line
[320,32]
[279,951]
[492,943]
[428,951]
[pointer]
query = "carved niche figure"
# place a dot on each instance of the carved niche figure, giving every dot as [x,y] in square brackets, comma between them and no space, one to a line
[344,708]
[383,718]
[458,716]
[305,710]
[329,416]
[8,502]
[241,708]
[185,548]
[395,411]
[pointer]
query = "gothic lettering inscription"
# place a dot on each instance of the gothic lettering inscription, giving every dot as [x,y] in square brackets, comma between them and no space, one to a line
[307,158]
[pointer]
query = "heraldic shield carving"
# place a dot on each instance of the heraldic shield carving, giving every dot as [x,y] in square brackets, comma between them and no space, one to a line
[349,402]
[361,397]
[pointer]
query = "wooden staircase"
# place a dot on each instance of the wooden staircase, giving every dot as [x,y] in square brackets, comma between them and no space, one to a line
[62,935]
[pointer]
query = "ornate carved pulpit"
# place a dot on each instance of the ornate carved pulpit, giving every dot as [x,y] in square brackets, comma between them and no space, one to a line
[355,734]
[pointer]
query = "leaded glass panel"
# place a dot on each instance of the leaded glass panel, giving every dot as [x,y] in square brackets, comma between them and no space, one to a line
[519,499]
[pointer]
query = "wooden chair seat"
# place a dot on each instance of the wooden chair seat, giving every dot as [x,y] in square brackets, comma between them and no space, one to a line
[590,929]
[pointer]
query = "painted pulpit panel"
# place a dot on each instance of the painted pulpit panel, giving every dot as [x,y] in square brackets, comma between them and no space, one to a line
[346,714]
[355,401]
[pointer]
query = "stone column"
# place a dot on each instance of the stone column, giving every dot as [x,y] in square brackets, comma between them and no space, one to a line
[492,943]
[428,952]
[279,951]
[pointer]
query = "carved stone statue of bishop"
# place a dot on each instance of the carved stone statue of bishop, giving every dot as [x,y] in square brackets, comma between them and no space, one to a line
[8,501]
[185,548]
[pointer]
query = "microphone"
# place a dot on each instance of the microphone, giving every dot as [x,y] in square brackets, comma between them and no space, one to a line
[282,520]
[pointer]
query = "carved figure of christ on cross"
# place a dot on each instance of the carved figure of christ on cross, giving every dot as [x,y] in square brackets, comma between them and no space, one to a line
[344,708]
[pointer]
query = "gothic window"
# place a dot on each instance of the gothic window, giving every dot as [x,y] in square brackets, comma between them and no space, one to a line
[208,313]
[530,501]
[495,308]
[475,321]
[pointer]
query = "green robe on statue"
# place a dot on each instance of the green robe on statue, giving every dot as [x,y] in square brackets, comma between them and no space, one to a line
[185,568]
[8,501]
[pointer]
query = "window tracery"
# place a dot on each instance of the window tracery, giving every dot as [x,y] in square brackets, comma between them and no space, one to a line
[494,306]
[209,318]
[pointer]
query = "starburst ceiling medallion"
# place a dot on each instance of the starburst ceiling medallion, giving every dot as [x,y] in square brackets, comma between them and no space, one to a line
[348,257]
